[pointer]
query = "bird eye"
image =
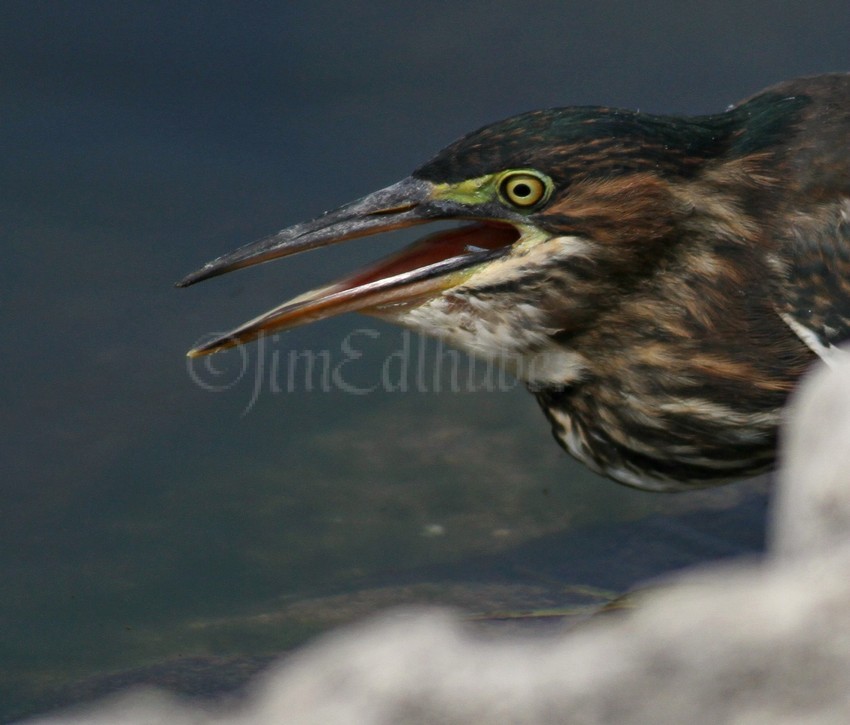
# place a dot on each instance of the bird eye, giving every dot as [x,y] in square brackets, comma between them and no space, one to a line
[524,189]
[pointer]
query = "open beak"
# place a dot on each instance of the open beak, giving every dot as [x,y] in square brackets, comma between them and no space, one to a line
[406,278]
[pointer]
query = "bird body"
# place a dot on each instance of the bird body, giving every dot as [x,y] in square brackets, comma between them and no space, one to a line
[660,283]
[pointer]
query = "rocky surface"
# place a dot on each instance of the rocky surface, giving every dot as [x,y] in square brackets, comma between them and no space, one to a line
[746,642]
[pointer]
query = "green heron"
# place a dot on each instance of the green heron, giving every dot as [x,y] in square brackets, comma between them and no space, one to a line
[660,283]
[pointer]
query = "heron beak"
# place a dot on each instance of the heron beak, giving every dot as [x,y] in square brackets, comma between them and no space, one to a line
[407,278]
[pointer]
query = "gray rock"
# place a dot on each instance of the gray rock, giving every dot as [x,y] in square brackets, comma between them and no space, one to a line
[764,642]
[812,504]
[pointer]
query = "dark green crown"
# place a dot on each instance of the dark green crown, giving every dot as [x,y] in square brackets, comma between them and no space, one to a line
[591,141]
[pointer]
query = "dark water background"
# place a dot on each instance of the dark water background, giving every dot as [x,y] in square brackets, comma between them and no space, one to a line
[151,511]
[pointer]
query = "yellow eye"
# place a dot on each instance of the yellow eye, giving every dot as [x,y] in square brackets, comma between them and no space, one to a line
[524,189]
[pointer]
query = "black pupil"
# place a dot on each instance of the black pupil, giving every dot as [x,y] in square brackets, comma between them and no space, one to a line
[522,190]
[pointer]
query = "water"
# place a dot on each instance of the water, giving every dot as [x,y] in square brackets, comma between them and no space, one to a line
[153,512]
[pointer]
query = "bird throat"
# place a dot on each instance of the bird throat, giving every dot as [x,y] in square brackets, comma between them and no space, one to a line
[490,315]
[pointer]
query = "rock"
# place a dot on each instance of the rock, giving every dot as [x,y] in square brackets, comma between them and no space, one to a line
[812,503]
[750,642]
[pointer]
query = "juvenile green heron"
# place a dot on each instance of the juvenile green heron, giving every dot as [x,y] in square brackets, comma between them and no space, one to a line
[660,283]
